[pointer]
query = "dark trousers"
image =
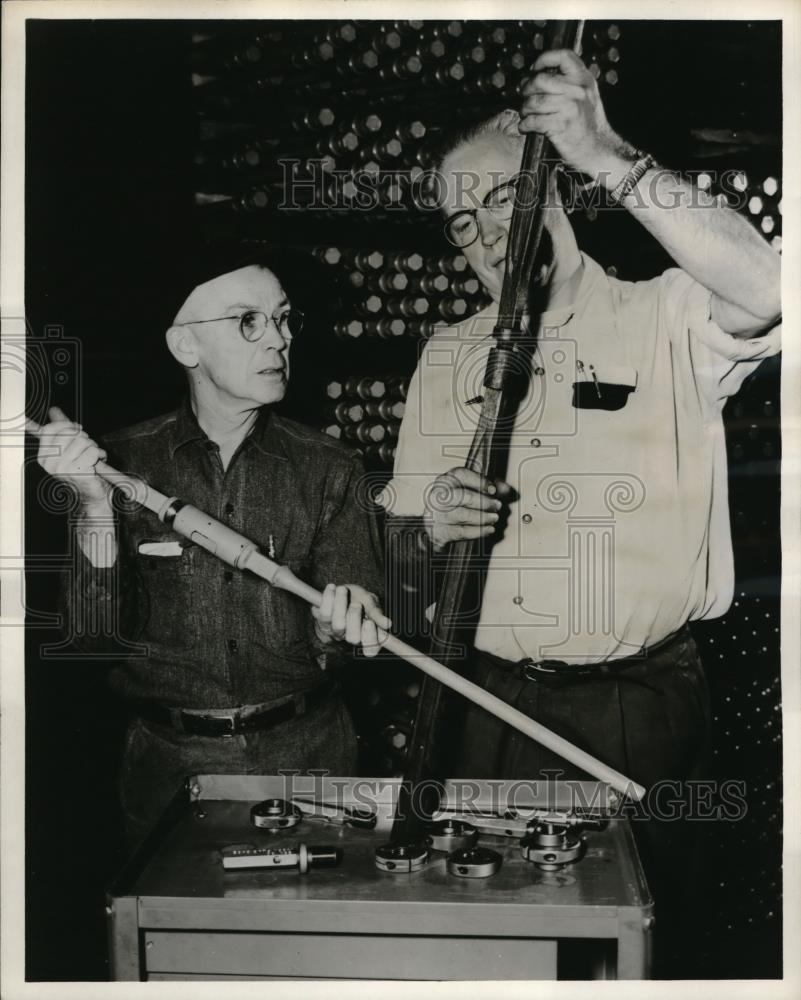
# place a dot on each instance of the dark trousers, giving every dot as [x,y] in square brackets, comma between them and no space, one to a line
[651,722]
[157,760]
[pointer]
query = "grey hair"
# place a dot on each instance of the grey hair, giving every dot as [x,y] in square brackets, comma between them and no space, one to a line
[503,124]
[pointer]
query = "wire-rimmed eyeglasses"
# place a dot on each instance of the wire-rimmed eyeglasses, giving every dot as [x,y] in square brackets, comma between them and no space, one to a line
[253,323]
[461,229]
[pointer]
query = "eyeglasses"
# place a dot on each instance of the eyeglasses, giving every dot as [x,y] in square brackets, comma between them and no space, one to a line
[462,229]
[253,323]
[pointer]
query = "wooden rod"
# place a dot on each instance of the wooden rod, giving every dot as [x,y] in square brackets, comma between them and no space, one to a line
[239,551]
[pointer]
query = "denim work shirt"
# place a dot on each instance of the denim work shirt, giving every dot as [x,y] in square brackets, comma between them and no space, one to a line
[191,631]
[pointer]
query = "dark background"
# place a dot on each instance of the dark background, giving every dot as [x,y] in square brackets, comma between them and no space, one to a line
[112,127]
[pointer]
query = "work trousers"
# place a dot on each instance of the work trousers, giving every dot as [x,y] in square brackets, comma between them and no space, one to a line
[157,759]
[652,722]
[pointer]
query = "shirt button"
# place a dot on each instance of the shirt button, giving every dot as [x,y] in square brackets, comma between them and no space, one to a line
[517,600]
[535,442]
[526,519]
[539,370]
[228,576]
[233,645]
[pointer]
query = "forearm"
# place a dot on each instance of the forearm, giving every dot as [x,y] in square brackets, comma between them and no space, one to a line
[97,599]
[710,241]
[410,564]
[96,534]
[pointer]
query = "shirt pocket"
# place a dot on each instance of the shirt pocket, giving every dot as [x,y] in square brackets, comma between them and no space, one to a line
[603,385]
[166,567]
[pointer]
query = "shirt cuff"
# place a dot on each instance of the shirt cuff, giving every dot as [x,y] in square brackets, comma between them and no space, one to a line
[96,583]
[699,317]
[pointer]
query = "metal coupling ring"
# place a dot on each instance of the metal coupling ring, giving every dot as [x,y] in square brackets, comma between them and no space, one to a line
[550,850]
[451,834]
[474,862]
[400,859]
[275,815]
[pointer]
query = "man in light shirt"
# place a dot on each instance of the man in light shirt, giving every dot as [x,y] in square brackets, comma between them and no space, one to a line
[610,530]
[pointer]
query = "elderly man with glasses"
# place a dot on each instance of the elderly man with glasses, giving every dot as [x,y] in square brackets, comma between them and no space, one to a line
[610,528]
[224,673]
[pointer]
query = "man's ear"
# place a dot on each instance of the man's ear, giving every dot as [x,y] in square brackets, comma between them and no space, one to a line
[182,344]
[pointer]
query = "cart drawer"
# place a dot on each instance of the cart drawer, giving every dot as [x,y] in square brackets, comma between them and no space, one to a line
[335,956]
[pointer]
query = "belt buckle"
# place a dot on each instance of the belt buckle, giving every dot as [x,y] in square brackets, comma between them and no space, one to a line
[224,722]
[231,721]
[538,668]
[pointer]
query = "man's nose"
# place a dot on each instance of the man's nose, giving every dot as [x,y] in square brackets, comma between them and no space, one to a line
[490,228]
[273,338]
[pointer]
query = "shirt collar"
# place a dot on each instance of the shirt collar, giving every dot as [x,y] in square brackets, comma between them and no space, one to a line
[186,428]
[266,433]
[563,314]
[484,321]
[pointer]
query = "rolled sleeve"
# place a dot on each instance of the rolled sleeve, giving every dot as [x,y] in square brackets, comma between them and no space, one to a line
[94,603]
[720,362]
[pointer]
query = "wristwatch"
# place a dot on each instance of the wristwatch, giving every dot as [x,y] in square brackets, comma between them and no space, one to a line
[639,168]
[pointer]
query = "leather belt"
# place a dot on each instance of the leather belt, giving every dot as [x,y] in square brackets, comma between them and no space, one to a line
[232,722]
[560,672]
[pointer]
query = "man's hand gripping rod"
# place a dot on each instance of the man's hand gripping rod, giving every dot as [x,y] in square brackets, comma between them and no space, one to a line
[240,552]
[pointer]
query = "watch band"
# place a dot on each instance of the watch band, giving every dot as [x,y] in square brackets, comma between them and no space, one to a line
[638,169]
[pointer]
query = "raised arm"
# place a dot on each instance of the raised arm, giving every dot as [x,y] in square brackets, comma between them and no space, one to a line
[710,241]
[67,452]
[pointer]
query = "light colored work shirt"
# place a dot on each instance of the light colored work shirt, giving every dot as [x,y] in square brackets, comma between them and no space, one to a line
[619,531]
